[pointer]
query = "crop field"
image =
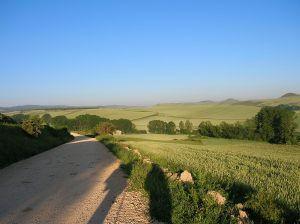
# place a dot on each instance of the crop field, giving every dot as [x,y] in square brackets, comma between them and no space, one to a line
[271,170]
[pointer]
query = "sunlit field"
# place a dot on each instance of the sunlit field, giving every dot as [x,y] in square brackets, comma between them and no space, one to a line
[271,170]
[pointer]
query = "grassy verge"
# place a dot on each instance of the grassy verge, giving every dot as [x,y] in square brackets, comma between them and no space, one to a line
[245,172]
[16,145]
[171,201]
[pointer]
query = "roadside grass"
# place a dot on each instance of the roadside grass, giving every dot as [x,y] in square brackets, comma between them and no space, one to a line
[16,145]
[263,176]
[170,201]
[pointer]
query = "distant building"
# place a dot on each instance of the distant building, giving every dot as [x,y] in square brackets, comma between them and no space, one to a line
[117,132]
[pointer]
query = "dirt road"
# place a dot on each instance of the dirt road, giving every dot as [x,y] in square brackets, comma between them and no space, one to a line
[78,182]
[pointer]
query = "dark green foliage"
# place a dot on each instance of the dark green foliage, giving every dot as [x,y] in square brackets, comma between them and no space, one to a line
[289,107]
[89,123]
[185,127]
[272,124]
[32,126]
[171,128]
[46,118]
[85,122]
[124,125]
[276,125]
[60,122]
[157,126]
[162,127]
[15,144]
[6,119]
[206,128]
[20,117]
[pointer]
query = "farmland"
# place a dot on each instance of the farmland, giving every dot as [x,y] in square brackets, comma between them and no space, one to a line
[196,112]
[270,170]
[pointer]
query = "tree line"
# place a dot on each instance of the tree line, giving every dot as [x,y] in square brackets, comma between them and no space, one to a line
[162,127]
[272,124]
[92,123]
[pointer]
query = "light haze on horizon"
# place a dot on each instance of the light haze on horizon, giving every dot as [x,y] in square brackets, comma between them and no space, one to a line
[147,52]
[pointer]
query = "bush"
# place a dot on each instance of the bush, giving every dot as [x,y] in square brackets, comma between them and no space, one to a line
[6,119]
[32,127]
[105,128]
[46,118]
[60,122]
[15,144]
[124,125]
[20,117]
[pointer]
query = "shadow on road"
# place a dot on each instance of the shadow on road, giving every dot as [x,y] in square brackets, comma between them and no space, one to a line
[114,187]
[157,186]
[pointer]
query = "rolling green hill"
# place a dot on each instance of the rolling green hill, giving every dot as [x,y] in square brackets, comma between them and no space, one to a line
[229,110]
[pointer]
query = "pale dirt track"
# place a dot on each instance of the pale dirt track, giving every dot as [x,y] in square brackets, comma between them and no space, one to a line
[78,182]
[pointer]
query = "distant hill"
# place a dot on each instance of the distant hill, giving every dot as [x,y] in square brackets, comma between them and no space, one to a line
[290,95]
[54,107]
[229,101]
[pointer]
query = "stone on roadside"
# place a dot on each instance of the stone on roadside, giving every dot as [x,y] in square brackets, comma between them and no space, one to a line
[147,161]
[135,151]
[243,218]
[218,198]
[186,177]
[239,206]
[174,176]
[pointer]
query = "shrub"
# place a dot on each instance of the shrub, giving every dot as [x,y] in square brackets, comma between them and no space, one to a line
[60,121]
[46,118]
[124,125]
[105,128]
[32,127]
[20,117]
[6,119]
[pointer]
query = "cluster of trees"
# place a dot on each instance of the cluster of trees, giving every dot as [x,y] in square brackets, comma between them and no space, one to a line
[85,122]
[271,124]
[33,125]
[185,127]
[225,130]
[162,127]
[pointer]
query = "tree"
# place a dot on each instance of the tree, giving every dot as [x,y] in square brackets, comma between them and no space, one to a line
[6,119]
[105,128]
[60,122]
[181,127]
[46,118]
[206,128]
[171,128]
[20,117]
[276,125]
[86,122]
[188,126]
[157,126]
[32,126]
[124,125]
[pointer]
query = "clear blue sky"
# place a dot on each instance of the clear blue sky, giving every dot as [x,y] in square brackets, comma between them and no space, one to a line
[145,52]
